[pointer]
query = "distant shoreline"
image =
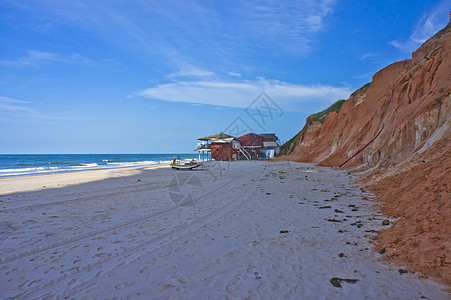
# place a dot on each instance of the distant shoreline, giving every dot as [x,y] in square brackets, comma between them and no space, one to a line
[27,183]
[14,165]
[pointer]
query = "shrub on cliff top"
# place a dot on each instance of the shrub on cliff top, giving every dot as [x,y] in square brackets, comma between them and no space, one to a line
[321,116]
[318,117]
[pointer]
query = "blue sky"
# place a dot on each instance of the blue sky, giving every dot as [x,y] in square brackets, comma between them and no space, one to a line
[153,76]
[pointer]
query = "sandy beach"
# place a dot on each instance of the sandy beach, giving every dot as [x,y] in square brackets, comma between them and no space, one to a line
[247,229]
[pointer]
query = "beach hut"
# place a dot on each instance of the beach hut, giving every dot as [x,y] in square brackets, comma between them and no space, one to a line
[253,144]
[270,144]
[222,146]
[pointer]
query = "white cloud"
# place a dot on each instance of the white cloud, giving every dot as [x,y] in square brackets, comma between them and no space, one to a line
[20,108]
[428,25]
[366,56]
[191,71]
[240,94]
[234,74]
[230,32]
[34,58]
[15,106]
[291,25]
[10,100]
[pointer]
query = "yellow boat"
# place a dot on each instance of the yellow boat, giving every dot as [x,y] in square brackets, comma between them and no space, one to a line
[176,164]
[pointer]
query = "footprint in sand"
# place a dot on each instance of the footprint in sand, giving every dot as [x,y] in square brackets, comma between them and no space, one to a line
[122,285]
[183,280]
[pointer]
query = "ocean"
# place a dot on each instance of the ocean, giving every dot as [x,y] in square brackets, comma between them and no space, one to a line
[32,164]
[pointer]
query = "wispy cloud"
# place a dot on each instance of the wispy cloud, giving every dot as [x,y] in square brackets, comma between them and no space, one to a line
[292,25]
[10,100]
[234,74]
[188,70]
[34,58]
[15,106]
[229,33]
[368,55]
[240,94]
[431,22]
[22,109]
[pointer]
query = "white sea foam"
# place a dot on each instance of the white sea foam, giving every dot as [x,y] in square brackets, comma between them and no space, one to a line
[70,165]
[88,165]
[82,167]
[132,164]
[27,171]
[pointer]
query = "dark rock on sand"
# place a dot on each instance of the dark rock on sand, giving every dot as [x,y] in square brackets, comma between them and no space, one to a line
[333,220]
[336,281]
[323,207]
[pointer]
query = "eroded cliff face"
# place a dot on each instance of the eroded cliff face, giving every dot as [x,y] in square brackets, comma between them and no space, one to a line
[409,163]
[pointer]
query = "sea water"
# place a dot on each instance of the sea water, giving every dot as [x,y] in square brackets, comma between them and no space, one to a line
[32,164]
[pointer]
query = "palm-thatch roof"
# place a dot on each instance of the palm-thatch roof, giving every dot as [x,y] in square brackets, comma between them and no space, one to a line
[216,136]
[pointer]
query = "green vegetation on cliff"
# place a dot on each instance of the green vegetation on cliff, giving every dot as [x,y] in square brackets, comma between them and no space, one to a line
[287,147]
[321,116]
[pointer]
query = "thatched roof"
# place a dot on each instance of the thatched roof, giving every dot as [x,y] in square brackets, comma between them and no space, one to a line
[216,136]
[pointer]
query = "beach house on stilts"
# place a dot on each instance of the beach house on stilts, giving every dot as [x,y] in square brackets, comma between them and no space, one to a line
[253,144]
[222,146]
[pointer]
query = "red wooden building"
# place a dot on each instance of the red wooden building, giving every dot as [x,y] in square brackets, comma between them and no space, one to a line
[222,146]
[223,151]
[270,144]
[249,146]
[253,144]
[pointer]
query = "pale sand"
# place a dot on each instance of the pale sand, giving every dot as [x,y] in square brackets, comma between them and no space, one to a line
[16,184]
[119,233]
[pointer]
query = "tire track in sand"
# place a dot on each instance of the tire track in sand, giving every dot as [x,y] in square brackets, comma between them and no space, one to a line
[165,237]
[131,188]
[102,231]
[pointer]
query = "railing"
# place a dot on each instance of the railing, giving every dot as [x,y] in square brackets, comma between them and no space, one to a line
[245,153]
[203,146]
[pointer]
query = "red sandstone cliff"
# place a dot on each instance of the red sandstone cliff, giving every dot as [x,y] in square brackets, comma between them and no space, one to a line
[409,164]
